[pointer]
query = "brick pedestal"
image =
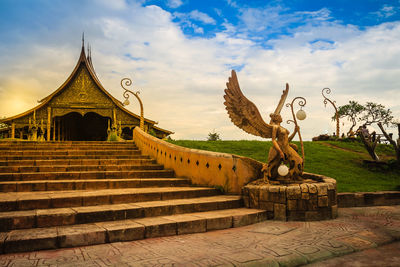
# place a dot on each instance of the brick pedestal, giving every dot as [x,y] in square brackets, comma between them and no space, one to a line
[314,199]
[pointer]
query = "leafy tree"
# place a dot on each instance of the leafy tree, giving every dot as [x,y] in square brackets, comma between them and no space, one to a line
[376,113]
[213,137]
[352,112]
[368,114]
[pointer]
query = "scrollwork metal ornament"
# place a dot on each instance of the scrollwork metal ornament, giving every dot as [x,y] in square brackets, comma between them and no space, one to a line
[326,100]
[301,102]
[128,82]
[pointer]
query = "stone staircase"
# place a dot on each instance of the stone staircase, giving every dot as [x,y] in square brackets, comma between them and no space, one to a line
[68,194]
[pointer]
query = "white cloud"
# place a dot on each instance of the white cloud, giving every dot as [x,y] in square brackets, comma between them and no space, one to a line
[273,19]
[198,29]
[218,12]
[182,79]
[186,18]
[232,3]
[386,11]
[114,4]
[200,16]
[174,3]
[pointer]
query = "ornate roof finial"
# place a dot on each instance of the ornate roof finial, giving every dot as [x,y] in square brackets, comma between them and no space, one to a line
[89,53]
[83,40]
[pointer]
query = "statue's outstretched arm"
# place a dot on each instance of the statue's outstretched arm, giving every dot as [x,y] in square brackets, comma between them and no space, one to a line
[275,143]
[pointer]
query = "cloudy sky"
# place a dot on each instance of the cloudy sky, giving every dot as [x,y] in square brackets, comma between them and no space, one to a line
[179,54]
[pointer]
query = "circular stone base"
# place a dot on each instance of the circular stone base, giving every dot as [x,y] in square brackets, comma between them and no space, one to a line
[313,199]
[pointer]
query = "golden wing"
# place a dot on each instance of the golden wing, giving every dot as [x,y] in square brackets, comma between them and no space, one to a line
[243,113]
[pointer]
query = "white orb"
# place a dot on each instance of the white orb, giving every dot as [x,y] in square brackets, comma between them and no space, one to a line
[301,114]
[126,102]
[283,170]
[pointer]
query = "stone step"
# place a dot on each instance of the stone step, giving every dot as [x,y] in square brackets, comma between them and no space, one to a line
[64,147]
[126,230]
[63,143]
[65,199]
[67,157]
[57,152]
[138,160]
[79,175]
[89,184]
[80,215]
[80,168]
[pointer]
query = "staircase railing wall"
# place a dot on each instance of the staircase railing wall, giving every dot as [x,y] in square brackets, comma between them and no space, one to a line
[224,171]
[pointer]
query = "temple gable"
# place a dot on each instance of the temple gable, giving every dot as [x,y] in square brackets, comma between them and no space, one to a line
[82,95]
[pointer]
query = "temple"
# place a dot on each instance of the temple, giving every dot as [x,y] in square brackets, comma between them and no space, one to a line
[79,110]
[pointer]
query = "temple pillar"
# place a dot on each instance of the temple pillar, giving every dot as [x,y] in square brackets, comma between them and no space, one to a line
[114,122]
[59,130]
[48,123]
[34,134]
[119,130]
[13,130]
[63,132]
[54,129]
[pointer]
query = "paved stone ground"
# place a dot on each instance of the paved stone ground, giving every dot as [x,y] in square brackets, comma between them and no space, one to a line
[386,255]
[270,243]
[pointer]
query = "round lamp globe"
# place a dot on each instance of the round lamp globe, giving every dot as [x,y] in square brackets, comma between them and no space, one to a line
[283,170]
[301,114]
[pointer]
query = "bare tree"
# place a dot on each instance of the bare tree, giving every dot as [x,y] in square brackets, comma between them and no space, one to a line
[369,144]
[374,113]
[396,145]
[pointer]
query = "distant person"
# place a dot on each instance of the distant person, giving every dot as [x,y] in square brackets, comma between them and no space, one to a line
[365,131]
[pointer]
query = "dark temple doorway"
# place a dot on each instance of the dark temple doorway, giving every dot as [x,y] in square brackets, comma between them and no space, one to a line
[75,127]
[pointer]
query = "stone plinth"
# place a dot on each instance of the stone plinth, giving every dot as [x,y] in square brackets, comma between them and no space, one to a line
[312,200]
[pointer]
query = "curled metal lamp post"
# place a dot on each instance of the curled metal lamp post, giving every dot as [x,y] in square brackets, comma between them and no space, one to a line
[128,82]
[326,100]
[301,115]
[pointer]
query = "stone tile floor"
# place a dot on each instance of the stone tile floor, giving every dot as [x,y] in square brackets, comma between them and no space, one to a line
[375,231]
[386,255]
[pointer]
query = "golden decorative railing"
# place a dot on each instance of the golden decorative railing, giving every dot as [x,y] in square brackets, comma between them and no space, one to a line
[224,171]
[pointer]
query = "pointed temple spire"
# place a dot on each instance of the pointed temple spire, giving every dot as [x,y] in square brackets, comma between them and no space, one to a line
[83,40]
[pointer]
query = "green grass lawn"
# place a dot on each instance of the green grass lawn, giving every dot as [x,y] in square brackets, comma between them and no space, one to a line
[383,150]
[339,160]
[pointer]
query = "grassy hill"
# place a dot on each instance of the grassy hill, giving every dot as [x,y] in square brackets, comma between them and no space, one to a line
[342,161]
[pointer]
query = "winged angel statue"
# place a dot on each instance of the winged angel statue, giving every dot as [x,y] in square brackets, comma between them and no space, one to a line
[245,115]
